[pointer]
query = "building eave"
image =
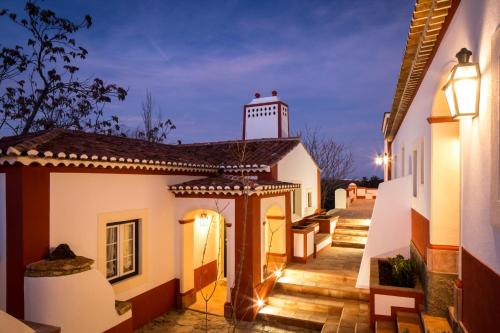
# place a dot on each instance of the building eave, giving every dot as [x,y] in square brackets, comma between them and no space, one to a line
[428,25]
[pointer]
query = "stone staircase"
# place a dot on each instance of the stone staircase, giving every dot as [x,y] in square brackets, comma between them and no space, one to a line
[411,322]
[319,301]
[351,233]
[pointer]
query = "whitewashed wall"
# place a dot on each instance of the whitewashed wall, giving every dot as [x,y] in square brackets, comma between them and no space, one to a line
[3,245]
[78,303]
[473,26]
[298,167]
[76,201]
[390,219]
[413,131]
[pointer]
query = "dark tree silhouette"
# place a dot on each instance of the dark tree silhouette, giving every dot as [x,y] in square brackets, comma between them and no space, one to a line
[333,158]
[38,79]
[154,130]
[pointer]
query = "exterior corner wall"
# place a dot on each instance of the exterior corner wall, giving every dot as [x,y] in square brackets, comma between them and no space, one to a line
[79,200]
[298,167]
[391,212]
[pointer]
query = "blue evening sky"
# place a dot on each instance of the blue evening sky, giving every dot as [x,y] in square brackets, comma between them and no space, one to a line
[334,62]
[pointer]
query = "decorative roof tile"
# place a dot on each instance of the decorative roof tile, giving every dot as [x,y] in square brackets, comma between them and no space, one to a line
[257,154]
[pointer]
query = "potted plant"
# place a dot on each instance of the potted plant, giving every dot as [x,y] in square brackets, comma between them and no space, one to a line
[393,287]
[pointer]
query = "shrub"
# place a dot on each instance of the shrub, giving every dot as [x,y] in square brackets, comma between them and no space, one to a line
[403,271]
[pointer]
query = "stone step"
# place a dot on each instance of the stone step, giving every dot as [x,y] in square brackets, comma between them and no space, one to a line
[339,291]
[346,241]
[349,238]
[299,301]
[435,324]
[354,226]
[351,232]
[313,276]
[307,319]
[385,326]
[408,321]
[362,328]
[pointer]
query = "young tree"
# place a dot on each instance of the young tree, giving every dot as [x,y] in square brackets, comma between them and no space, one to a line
[333,158]
[154,130]
[38,79]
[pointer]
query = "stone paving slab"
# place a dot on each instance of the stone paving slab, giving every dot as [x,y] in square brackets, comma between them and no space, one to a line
[194,322]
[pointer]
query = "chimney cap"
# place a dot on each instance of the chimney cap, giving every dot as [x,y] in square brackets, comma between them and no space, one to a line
[274,93]
[257,95]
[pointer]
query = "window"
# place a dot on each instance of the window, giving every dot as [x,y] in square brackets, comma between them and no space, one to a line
[294,208]
[309,199]
[122,257]
[415,174]
[422,163]
[403,162]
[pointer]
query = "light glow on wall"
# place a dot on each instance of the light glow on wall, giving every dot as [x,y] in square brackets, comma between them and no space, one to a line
[203,220]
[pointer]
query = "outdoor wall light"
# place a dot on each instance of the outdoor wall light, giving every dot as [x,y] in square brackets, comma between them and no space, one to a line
[462,88]
[204,219]
[382,160]
[260,303]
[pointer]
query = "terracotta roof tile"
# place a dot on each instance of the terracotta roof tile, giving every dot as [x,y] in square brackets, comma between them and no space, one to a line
[230,183]
[83,145]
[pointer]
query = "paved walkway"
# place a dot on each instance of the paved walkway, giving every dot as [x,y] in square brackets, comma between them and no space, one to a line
[359,209]
[215,304]
[194,322]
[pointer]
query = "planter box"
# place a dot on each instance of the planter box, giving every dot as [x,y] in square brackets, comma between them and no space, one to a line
[326,223]
[386,301]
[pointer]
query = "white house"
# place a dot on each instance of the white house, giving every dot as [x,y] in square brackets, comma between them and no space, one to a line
[442,152]
[143,212]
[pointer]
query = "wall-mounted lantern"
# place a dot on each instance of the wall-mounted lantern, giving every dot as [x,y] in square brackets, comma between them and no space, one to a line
[462,88]
[382,159]
[204,219]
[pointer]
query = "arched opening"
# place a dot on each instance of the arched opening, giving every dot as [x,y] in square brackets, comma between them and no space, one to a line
[444,171]
[274,240]
[206,247]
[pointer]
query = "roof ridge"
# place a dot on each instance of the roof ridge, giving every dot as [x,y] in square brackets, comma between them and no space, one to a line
[294,138]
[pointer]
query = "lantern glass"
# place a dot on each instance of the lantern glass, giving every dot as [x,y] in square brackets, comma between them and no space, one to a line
[462,90]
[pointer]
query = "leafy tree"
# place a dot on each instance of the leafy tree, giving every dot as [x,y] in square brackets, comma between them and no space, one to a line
[39,85]
[154,130]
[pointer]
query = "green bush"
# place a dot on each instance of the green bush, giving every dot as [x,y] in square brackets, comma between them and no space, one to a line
[403,271]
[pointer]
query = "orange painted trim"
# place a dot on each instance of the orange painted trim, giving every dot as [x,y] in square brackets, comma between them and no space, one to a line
[273,217]
[154,302]
[189,292]
[123,327]
[441,119]
[444,247]
[186,221]
[420,233]
[204,275]
[480,294]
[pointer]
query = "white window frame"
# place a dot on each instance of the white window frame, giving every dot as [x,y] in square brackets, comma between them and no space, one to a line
[119,226]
